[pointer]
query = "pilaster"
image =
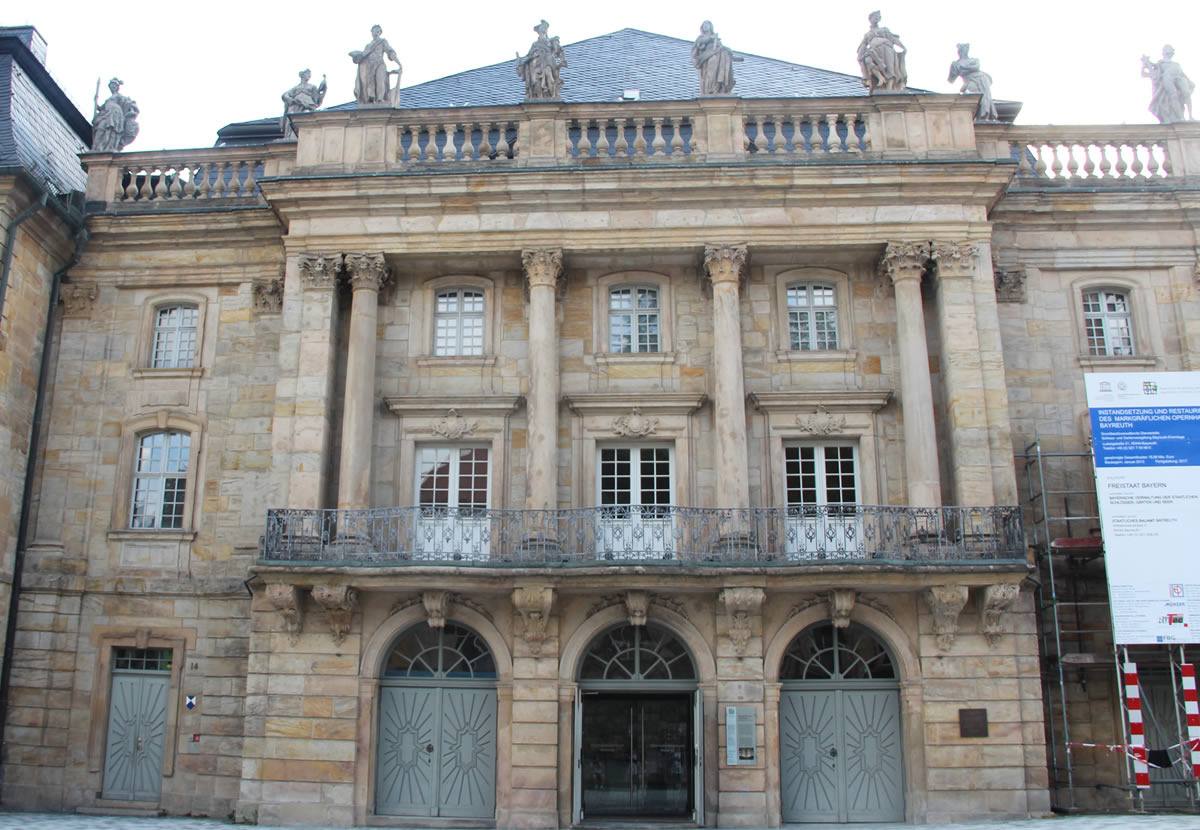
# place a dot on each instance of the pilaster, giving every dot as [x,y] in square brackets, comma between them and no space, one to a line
[536,707]
[543,266]
[740,682]
[725,266]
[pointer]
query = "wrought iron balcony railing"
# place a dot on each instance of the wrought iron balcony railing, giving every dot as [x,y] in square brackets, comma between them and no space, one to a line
[660,535]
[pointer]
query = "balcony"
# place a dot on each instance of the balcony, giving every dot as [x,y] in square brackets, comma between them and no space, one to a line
[660,537]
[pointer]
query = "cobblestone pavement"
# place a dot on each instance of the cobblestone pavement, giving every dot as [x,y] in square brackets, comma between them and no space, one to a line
[72,821]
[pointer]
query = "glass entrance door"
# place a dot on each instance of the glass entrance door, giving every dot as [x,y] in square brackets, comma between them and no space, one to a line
[637,756]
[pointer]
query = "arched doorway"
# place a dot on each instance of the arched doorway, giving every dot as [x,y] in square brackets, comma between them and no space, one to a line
[637,723]
[840,742]
[436,751]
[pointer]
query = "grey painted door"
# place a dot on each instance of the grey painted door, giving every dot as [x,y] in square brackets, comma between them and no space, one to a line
[841,756]
[437,752]
[137,727]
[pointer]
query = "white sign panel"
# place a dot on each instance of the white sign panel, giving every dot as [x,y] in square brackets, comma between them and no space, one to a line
[1146,442]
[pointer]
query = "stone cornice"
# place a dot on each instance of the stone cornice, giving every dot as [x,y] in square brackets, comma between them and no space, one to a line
[434,406]
[833,400]
[618,404]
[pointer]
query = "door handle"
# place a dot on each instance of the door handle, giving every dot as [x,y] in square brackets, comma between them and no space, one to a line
[833,752]
[429,747]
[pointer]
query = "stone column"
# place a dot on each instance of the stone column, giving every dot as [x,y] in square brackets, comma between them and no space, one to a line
[542,269]
[367,273]
[725,265]
[904,263]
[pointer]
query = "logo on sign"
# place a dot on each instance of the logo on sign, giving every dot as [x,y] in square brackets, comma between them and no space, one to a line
[1105,386]
[1149,387]
[1176,589]
[191,702]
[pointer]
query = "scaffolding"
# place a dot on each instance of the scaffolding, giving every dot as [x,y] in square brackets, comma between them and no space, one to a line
[1075,628]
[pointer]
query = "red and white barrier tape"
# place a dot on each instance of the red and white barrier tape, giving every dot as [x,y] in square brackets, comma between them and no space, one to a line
[1137,734]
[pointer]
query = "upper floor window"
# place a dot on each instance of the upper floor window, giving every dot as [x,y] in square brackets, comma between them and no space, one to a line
[160,481]
[1107,322]
[458,322]
[174,344]
[812,316]
[819,475]
[633,320]
[452,477]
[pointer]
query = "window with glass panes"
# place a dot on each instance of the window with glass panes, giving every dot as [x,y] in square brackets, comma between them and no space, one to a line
[1106,320]
[635,477]
[174,337]
[633,320]
[458,322]
[160,481]
[452,477]
[819,475]
[812,316]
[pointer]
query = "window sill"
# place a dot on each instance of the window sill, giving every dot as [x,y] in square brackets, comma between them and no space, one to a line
[810,355]
[457,361]
[143,372]
[1132,361]
[128,535]
[645,358]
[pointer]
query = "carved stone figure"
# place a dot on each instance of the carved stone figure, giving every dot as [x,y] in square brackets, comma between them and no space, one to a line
[372,86]
[115,123]
[540,68]
[714,61]
[1171,90]
[881,58]
[303,97]
[974,82]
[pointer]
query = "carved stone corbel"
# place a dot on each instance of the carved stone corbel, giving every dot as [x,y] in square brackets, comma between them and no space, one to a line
[637,603]
[955,259]
[945,602]
[841,603]
[289,602]
[319,270]
[77,298]
[533,603]
[268,297]
[339,602]
[741,606]
[994,600]
[435,607]
[1010,285]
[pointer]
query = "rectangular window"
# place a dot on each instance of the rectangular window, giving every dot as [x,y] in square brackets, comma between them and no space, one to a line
[160,481]
[812,317]
[175,337]
[452,492]
[1106,319]
[635,492]
[458,323]
[633,320]
[142,659]
[821,488]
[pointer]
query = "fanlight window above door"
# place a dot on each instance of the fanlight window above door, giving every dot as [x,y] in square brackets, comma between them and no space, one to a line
[452,651]
[823,652]
[647,652]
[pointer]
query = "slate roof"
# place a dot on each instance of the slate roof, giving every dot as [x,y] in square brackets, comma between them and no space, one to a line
[601,69]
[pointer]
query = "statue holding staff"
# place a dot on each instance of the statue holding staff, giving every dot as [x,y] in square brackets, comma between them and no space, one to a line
[371,85]
[114,124]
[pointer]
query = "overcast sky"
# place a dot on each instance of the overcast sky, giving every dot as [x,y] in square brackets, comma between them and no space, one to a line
[194,67]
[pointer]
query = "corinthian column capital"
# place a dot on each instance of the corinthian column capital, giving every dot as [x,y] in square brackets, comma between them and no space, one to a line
[320,270]
[904,260]
[366,271]
[955,259]
[725,263]
[542,266]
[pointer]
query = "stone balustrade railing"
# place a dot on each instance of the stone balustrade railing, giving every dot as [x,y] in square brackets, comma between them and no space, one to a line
[659,535]
[797,132]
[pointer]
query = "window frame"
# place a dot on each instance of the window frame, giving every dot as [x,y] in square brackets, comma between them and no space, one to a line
[1108,323]
[423,320]
[162,481]
[174,335]
[812,309]
[637,447]
[602,352]
[143,360]
[453,490]
[785,277]
[635,312]
[125,479]
[461,318]
[1145,336]
[820,461]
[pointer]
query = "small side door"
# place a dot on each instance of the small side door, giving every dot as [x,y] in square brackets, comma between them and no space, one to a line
[137,728]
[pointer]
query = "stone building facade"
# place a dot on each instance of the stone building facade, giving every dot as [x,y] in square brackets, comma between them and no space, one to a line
[531,464]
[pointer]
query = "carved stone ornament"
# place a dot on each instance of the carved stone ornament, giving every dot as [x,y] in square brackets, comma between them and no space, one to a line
[540,68]
[435,603]
[319,270]
[606,601]
[637,603]
[803,605]
[903,260]
[994,600]
[875,604]
[339,602]
[945,602]
[634,425]
[268,297]
[543,266]
[1010,285]
[289,602]
[454,426]
[366,271]
[821,422]
[78,298]
[955,259]
[533,603]
[672,605]
[741,606]
[841,604]
[726,263]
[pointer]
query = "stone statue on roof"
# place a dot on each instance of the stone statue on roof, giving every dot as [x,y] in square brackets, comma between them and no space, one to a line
[1171,90]
[303,97]
[714,62]
[881,58]
[114,124]
[974,82]
[372,85]
[540,68]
